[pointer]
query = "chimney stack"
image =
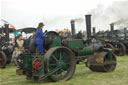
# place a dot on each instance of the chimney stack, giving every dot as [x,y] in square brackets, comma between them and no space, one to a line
[112,28]
[7,32]
[125,33]
[94,31]
[88,28]
[73,27]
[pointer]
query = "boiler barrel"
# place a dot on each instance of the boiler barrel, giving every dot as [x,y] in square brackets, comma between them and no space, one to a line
[87,51]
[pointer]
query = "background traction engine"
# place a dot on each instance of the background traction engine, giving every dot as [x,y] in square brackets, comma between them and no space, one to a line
[59,61]
[6,48]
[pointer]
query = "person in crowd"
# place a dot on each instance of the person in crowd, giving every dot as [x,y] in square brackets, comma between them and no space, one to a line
[19,48]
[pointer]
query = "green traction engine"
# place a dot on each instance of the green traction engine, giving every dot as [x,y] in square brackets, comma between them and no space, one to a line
[59,61]
[61,56]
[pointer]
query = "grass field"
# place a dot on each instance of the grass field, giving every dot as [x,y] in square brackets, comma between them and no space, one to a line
[82,76]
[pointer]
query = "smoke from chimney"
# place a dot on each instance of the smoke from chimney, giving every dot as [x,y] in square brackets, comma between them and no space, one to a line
[116,13]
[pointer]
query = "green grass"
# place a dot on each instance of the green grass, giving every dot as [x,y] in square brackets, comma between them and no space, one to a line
[82,76]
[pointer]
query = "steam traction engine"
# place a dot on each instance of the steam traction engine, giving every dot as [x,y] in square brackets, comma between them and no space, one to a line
[6,48]
[59,61]
[114,39]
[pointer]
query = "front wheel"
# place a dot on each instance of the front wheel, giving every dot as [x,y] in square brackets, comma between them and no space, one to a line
[101,62]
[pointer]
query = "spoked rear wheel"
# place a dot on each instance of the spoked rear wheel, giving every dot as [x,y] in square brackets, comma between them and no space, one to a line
[121,49]
[3,59]
[62,58]
[108,45]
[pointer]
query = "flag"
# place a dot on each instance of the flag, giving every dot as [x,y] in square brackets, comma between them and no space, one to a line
[11,26]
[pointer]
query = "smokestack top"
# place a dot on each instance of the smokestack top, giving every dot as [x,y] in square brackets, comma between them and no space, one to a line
[93,27]
[112,24]
[88,15]
[72,21]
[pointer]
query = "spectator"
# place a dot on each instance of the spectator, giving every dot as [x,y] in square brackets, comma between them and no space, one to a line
[19,47]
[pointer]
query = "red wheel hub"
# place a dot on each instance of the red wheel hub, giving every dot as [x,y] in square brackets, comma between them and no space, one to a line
[37,64]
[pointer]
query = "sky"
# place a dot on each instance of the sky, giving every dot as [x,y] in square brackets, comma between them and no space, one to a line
[55,14]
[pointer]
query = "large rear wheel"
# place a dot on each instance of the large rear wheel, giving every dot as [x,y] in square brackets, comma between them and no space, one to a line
[108,45]
[62,58]
[121,49]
